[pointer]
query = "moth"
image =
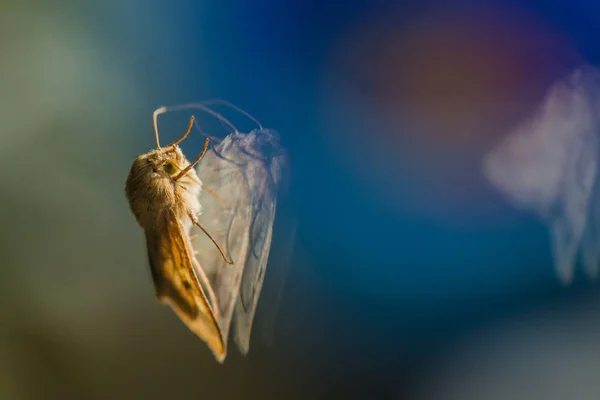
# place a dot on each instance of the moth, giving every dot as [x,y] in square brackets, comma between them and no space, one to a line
[163,192]
[241,178]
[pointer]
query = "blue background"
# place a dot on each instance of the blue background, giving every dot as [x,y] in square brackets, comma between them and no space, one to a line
[381,280]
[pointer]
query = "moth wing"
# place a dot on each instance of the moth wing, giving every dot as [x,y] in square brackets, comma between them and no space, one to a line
[280,258]
[177,284]
[261,234]
[239,200]
[226,217]
[264,174]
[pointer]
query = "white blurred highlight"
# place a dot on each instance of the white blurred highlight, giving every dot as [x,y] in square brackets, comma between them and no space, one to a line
[548,165]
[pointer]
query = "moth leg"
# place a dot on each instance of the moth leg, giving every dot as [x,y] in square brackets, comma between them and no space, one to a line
[199,225]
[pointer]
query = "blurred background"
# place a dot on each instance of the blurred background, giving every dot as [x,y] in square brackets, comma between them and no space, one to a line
[412,276]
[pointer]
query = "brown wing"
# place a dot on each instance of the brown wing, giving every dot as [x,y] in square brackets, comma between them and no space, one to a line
[176,283]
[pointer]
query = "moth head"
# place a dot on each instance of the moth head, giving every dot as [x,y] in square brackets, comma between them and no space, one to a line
[164,163]
[150,171]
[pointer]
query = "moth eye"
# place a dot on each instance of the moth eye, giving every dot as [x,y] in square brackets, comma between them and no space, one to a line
[170,168]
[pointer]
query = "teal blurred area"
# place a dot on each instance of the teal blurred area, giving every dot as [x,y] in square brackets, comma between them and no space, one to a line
[408,268]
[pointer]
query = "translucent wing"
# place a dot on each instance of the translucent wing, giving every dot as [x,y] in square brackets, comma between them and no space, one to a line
[280,258]
[226,217]
[241,178]
[266,162]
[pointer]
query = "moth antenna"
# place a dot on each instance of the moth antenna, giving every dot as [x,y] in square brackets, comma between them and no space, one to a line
[157,112]
[213,138]
[199,106]
[186,169]
[187,132]
[233,106]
